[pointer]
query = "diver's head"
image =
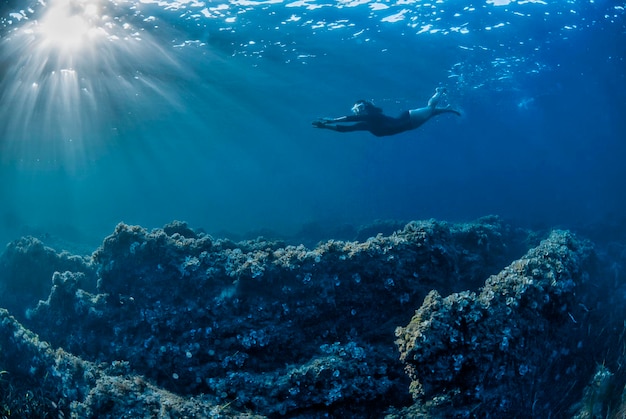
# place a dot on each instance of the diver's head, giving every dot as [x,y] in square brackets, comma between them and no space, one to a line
[364,107]
[359,108]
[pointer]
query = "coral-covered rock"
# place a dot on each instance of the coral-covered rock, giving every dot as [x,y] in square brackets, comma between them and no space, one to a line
[31,366]
[185,325]
[39,381]
[26,267]
[492,350]
[198,315]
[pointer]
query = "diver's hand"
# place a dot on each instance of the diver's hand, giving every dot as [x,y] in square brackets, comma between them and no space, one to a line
[321,123]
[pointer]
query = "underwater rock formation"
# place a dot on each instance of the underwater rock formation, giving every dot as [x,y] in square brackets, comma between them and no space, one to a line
[26,267]
[40,381]
[499,347]
[181,324]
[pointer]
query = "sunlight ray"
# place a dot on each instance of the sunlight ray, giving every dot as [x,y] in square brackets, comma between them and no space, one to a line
[73,69]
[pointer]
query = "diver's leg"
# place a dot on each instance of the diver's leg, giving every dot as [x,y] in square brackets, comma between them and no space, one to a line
[447,109]
[439,91]
[419,116]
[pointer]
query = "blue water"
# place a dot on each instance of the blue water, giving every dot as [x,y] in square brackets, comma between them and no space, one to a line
[151,111]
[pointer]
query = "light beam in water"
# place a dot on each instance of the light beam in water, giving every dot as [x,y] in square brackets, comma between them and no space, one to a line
[73,72]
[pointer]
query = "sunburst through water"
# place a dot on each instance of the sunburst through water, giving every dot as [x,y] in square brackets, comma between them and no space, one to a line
[72,63]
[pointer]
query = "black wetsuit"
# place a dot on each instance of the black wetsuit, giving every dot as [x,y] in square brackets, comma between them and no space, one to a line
[378,124]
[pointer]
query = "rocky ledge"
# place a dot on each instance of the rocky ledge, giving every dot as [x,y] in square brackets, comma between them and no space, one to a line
[174,323]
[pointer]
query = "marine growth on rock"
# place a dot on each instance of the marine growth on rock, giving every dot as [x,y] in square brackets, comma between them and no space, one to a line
[435,320]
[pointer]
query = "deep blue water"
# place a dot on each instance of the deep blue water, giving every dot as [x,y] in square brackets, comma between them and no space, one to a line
[151,111]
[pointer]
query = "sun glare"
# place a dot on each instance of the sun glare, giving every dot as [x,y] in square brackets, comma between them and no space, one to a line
[72,71]
[70,24]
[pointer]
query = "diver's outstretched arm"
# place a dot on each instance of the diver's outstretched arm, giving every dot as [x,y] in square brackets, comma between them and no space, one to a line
[346,118]
[340,128]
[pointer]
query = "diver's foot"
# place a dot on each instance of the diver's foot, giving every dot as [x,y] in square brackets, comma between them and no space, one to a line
[448,108]
[434,101]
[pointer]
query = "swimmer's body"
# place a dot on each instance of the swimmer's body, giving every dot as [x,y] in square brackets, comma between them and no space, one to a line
[367,117]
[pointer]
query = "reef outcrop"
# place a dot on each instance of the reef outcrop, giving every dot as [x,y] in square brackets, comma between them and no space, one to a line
[184,325]
[504,345]
[26,267]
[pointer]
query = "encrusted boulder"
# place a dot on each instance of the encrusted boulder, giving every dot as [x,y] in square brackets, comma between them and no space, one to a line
[37,380]
[303,327]
[26,267]
[185,325]
[498,351]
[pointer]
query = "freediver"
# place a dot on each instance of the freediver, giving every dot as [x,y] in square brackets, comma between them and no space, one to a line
[368,117]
